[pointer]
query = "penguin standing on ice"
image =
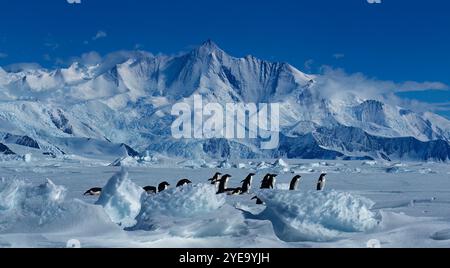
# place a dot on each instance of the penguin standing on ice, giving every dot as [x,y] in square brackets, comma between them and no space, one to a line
[247,183]
[94,191]
[215,178]
[265,181]
[294,183]
[183,182]
[258,200]
[223,183]
[321,182]
[269,181]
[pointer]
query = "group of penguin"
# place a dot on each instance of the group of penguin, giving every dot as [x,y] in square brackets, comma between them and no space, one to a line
[148,189]
[268,182]
[221,183]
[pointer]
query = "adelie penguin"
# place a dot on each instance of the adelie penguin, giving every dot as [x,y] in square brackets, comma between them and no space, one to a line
[215,178]
[223,183]
[269,181]
[183,182]
[247,183]
[321,182]
[163,186]
[294,183]
[234,191]
[153,190]
[94,191]
[265,180]
[258,200]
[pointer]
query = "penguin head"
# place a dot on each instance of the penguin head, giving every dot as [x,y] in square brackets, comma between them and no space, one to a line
[322,176]
[249,177]
[296,177]
[273,177]
[215,177]
[226,177]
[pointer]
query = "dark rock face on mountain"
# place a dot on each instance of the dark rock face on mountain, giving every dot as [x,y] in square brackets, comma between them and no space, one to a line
[5,150]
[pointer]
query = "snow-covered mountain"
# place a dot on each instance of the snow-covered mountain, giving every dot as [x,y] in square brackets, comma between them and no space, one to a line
[125,101]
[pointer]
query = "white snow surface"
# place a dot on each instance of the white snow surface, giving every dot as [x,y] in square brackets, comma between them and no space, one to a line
[316,216]
[42,205]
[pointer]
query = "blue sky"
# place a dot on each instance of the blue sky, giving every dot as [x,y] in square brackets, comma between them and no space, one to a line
[397,40]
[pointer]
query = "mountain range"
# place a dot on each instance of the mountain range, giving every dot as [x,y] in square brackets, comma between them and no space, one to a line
[122,106]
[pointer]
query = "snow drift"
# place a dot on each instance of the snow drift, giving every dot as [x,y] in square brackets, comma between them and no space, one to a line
[316,216]
[190,211]
[188,201]
[121,199]
[25,208]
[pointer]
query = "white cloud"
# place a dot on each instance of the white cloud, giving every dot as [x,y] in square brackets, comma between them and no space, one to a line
[374,1]
[99,35]
[3,55]
[74,1]
[308,64]
[337,84]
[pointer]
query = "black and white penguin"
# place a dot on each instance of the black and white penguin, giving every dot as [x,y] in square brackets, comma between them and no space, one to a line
[223,183]
[234,191]
[163,186]
[258,201]
[183,182]
[94,191]
[215,178]
[294,183]
[269,181]
[247,183]
[150,189]
[265,181]
[321,182]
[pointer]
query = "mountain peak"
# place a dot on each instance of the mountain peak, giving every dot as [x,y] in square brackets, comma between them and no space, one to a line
[209,44]
[209,47]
